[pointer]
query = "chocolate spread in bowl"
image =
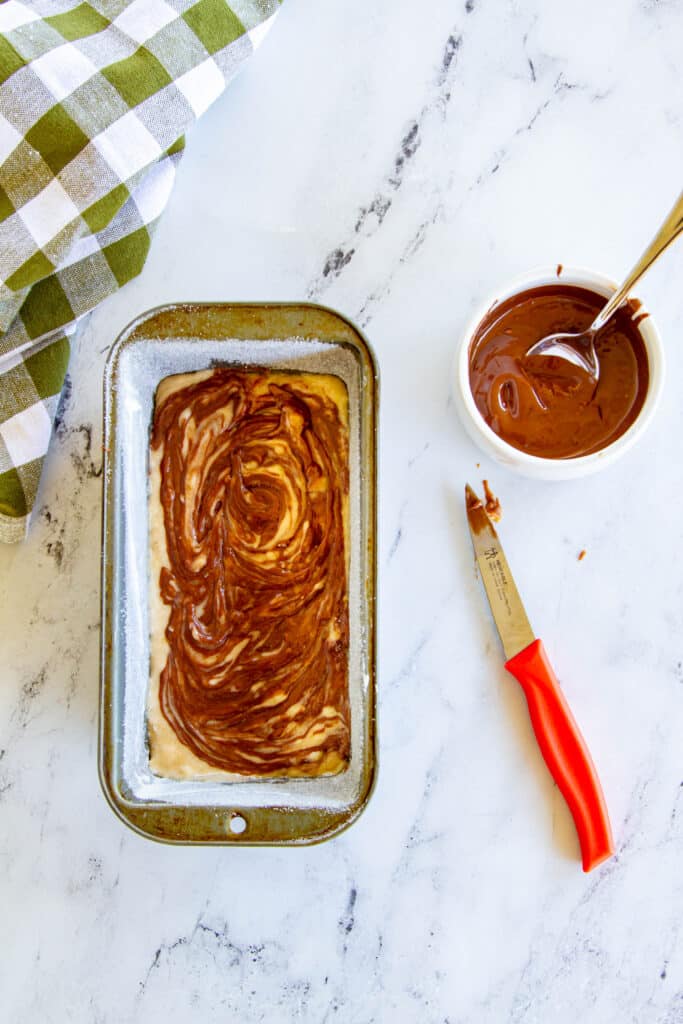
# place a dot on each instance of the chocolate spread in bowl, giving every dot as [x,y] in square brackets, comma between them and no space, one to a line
[560,414]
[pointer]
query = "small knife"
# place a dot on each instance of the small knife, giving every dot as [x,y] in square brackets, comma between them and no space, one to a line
[562,745]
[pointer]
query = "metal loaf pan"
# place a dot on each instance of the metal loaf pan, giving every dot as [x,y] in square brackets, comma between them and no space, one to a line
[177,339]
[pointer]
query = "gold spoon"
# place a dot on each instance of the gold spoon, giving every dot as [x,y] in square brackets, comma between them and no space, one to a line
[579,349]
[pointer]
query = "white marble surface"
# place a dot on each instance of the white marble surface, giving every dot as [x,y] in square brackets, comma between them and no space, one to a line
[396,161]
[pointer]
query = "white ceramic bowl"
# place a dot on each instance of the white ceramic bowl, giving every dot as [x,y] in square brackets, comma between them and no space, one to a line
[534,465]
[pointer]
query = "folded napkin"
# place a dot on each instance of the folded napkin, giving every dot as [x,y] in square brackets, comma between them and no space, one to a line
[95,98]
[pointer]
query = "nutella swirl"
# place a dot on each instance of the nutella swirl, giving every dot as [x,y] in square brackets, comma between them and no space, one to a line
[254,489]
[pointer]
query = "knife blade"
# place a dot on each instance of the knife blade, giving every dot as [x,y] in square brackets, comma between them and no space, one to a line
[559,738]
[506,604]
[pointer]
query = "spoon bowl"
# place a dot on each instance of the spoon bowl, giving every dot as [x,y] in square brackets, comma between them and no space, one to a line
[576,349]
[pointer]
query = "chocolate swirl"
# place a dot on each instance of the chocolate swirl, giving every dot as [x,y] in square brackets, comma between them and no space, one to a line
[254,485]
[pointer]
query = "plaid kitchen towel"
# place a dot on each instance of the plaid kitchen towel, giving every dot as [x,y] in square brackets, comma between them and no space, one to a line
[95,98]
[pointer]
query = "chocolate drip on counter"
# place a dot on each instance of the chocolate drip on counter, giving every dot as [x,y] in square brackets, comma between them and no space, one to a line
[254,476]
[557,413]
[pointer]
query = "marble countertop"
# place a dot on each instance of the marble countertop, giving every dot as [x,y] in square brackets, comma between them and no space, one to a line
[397,163]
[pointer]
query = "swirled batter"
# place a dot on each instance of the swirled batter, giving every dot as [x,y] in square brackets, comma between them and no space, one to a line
[249,615]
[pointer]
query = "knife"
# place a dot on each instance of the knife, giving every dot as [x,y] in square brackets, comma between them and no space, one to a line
[562,745]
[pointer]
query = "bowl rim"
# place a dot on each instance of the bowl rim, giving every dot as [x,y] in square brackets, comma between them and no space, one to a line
[603,285]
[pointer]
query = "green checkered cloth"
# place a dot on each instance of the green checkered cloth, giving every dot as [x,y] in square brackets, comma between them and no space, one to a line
[95,99]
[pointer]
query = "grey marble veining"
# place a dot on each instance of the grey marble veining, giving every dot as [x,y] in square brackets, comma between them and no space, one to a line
[396,162]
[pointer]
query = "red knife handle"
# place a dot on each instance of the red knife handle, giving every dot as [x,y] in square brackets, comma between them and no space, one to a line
[565,752]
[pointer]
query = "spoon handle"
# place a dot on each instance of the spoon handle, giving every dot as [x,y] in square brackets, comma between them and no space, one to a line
[670,229]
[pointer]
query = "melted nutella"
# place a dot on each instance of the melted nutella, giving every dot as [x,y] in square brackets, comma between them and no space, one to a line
[543,406]
[254,487]
[493,507]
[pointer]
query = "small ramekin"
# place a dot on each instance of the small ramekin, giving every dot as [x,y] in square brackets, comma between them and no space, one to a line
[534,465]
